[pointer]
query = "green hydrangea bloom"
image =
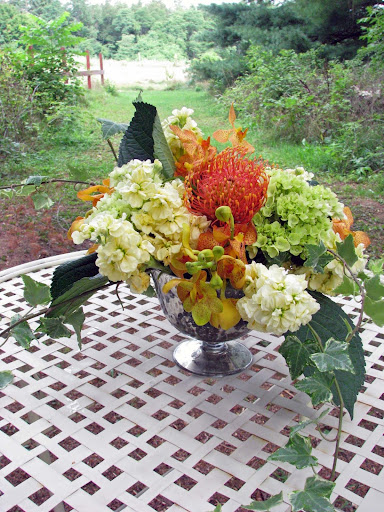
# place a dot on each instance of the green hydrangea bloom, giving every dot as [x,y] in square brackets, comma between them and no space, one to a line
[294,214]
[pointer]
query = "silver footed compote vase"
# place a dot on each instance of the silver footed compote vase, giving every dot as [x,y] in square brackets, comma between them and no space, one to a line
[210,351]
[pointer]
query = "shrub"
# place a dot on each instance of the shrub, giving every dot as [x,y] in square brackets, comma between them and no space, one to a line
[303,96]
[48,61]
[17,104]
[221,68]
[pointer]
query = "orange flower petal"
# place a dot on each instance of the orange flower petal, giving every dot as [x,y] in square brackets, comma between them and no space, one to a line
[75,226]
[359,237]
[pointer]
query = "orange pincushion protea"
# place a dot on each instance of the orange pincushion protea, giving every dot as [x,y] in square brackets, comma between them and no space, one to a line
[229,179]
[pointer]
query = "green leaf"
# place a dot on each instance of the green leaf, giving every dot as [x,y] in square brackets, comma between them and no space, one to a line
[6,377]
[374,288]
[41,200]
[149,292]
[35,293]
[85,287]
[297,354]
[265,505]
[346,249]
[375,310]
[162,151]
[281,258]
[27,190]
[318,257]
[334,357]
[318,387]
[76,319]
[347,287]
[376,266]
[297,452]
[303,424]
[22,333]
[314,497]
[331,322]
[35,180]
[67,274]
[54,327]
[138,140]
[110,128]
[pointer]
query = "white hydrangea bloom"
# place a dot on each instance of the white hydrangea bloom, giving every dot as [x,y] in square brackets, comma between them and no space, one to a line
[274,300]
[138,282]
[141,217]
[121,256]
[333,272]
[181,118]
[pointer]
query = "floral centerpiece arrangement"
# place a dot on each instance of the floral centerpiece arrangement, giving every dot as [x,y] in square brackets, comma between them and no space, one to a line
[216,221]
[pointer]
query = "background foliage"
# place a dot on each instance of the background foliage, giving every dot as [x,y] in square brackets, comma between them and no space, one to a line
[308,73]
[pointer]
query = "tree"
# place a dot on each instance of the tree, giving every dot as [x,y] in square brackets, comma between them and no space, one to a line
[10,20]
[334,24]
[373,34]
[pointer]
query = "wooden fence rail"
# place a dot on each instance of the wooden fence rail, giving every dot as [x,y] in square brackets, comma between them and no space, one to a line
[88,72]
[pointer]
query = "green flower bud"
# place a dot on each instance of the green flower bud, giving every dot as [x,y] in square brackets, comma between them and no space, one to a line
[223,213]
[218,252]
[207,254]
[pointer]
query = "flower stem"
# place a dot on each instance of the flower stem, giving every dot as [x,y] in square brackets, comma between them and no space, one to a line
[361,289]
[339,430]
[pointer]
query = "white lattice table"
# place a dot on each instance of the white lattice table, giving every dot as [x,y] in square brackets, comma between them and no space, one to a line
[118,426]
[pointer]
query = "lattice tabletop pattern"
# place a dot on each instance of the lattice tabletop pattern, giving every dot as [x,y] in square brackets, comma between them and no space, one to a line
[118,426]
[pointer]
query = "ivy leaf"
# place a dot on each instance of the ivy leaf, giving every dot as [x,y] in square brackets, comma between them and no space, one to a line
[346,249]
[265,505]
[375,310]
[314,497]
[27,190]
[297,354]
[22,332]
[54,327]
[297,452]
[334,357]
[331,322]
[317,386]
[41,200]
[303,424]
[347,287]
[35,180]
[76,319]
[376,266]
[374,288]
[85,287]
[67,274]
[35,293]
[149,292]
[138,141]
[281,258]
[110,128]
[162,151]
[318,257]
[6,377]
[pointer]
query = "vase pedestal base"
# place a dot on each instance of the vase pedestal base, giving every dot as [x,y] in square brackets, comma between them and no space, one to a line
[216,359]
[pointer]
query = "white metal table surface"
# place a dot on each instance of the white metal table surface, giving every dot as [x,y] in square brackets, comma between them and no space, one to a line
[118,426]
